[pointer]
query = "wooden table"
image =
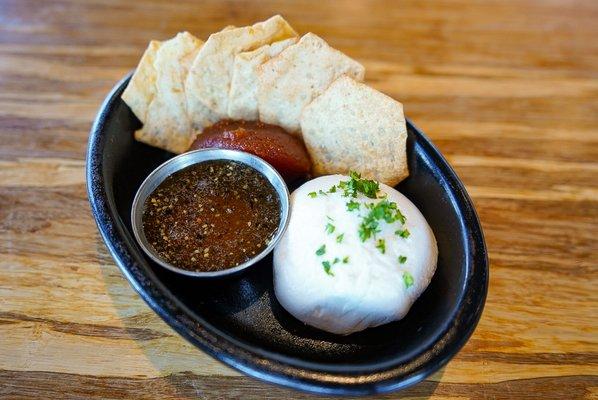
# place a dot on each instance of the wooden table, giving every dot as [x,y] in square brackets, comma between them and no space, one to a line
[507,90]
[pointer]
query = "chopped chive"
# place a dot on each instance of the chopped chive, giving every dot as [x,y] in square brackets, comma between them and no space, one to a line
[367,228]
[332,189]
[384,210]
[402,259]
[336,260]
[345,259]
[404,233]
[329,228]
[312,194]
[357,185]
[321,250]
[401,217]
[352,205]
[323,193]
[381,245]
[407,279]
[326,265]
[339,238]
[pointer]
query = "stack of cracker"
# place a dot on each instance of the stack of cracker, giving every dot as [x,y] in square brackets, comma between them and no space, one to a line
[266,72]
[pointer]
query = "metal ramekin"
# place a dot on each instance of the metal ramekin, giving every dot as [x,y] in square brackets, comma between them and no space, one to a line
[195,157]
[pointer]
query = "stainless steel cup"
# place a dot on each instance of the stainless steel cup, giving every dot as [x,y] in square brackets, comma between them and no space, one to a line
[195,157]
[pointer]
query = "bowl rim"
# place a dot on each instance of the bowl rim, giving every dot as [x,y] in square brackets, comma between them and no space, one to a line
[195,157]
[275,368]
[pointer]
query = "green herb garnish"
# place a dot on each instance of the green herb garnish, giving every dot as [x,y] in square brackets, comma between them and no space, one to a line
[407,279]
[326,265]
[329,228]
[345,259]
[404,233]
[352,205]
[312,194]
[402,259]
[388,211]
[321,250]
[332,189]
[400,217]
[368,227]
[381,245]
[323,193]
[356,184]
[336,260]
[339,238]
[383,210]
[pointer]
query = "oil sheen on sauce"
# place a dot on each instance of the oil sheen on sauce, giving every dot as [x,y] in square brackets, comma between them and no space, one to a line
[211,216]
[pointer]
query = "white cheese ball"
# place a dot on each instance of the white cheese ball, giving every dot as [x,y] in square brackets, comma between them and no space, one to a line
[371,287]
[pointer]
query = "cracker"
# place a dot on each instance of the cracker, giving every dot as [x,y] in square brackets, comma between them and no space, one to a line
[208,82]
[242,98]
[301,72]
[141,89]
[166,124]
[354,127]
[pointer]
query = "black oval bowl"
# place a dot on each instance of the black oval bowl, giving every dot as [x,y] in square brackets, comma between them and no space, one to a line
[239,322]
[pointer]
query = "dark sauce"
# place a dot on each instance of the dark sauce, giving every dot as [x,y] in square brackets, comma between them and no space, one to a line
[211,216]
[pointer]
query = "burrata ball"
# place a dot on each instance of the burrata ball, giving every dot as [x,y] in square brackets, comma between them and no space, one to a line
[348,263]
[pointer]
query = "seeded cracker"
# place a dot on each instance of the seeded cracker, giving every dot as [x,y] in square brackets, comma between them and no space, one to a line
[161,104]
[291,80]
[354,127]
[242,99]
[209,79]
[142,87]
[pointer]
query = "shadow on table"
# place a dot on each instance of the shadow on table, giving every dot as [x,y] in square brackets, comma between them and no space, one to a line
[175,376]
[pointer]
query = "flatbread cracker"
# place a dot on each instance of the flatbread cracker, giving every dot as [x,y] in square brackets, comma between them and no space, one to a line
[354,127]
[301,72]
[209,79]
[141,89]
[166,123]
[242,98]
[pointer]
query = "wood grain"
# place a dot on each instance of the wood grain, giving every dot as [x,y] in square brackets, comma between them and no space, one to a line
[508,90]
